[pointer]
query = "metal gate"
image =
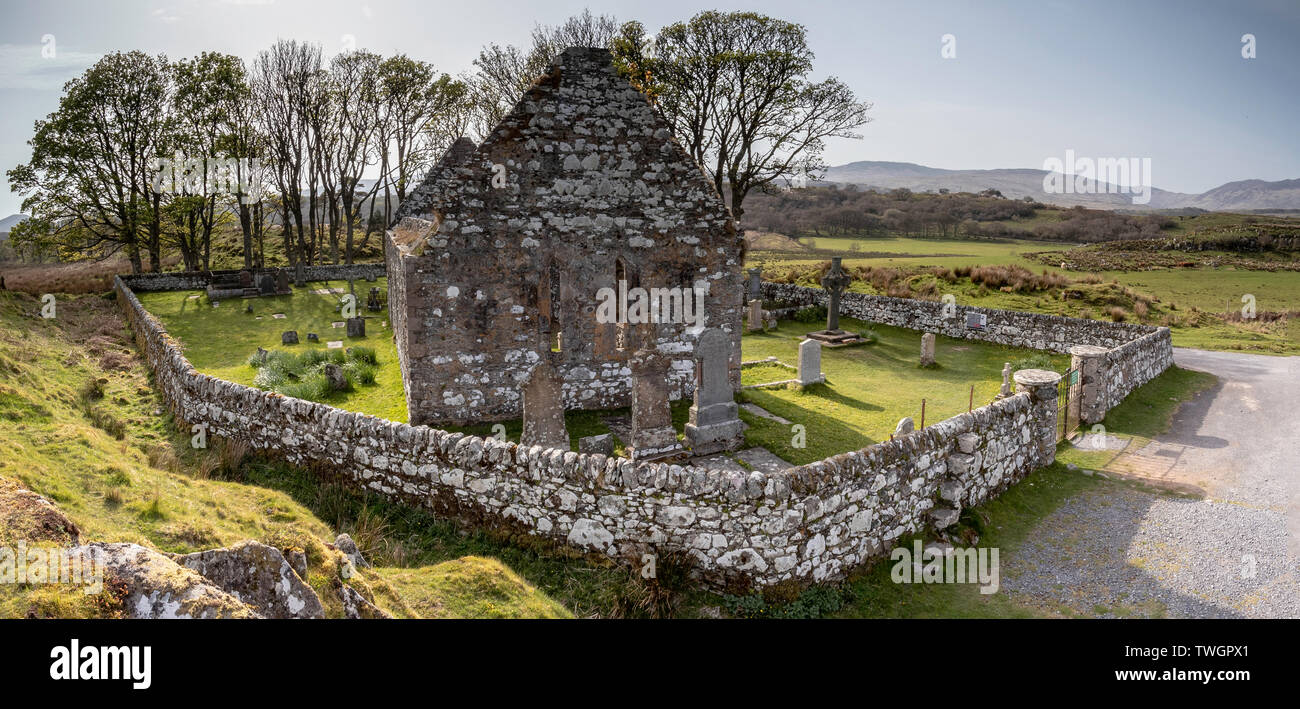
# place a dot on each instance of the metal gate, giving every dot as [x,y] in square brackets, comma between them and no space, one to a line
[1067,405]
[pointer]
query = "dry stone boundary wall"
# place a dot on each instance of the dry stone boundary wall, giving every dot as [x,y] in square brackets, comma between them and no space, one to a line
[739,530]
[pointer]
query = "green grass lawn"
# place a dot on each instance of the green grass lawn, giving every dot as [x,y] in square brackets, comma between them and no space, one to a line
[1006,521]
[869,387]
[219,340]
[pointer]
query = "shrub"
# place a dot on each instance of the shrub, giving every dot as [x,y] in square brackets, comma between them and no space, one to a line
[362,354]
[1038,360]
[360,372]
[302,375]
[812,313]
[312,387]
[1118,314]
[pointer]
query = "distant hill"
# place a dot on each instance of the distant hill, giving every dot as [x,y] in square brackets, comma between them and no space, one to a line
[8,223]
[1017,183]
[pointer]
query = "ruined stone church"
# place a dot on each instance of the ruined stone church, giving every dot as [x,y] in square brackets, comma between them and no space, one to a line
[508,252]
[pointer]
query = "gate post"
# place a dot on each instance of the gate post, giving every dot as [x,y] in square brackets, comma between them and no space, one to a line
[1040,384]
[1089,398]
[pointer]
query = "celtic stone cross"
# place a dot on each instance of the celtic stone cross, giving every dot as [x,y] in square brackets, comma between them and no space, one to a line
[835,282]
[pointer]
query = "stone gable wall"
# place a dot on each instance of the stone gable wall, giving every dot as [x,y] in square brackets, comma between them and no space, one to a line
[807,524]
[590,177]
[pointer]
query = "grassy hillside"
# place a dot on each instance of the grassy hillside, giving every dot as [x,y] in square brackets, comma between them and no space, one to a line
[83,427]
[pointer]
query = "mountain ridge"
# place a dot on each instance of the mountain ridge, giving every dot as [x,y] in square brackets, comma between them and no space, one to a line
[1018,183]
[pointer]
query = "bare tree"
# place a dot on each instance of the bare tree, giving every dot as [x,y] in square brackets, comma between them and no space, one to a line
[283,77]
[504,73]
[736,87]
[354,81]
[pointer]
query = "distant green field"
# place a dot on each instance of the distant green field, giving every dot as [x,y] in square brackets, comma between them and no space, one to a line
[1213,290]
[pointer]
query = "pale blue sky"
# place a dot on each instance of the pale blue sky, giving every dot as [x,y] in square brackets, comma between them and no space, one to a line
[1121,78]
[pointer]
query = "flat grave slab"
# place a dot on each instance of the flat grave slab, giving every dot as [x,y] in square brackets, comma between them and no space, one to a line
[759,411]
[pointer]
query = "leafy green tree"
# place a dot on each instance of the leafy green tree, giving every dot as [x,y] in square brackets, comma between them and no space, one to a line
[90,180]
[209,101]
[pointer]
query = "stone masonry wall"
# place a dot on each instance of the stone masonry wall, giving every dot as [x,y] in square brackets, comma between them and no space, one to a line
[810,523]
[502,249]
[1138,353]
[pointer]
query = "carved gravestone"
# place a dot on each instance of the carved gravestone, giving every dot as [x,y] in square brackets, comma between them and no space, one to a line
[755,316]
[289,337]
[261,354]
[300,275]
[372,301]
[754,289]
[245,279]
[543,400]
[714,424]
[927,349]
[266,284]
[282,283]
[1006,381]
[810,363]
[653,435]
[834,283]
[356,327]
[602,444]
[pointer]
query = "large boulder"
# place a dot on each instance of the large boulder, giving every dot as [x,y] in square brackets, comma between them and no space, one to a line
[260,576]
[154,586]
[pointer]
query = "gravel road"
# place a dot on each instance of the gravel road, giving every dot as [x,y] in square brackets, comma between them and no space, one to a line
[1117,551]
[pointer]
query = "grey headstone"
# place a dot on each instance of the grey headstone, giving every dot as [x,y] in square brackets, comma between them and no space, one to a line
[714,424]
[289,337]
[927,349]
[810,363]
[356,327]
[543,400]
[653,435]
[905,426]
[755,290]
[755,316]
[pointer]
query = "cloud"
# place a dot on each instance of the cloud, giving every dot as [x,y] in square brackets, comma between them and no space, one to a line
[23,66]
